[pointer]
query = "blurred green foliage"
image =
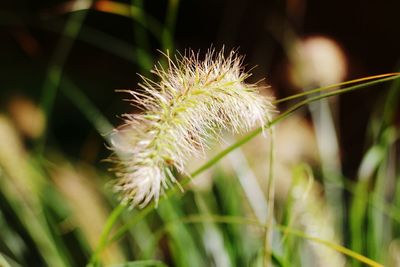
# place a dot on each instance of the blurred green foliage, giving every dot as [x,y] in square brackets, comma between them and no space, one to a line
[55,205]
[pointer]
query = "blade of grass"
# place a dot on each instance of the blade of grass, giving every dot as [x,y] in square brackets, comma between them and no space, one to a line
[30,216]
[322,115]
[22,184]
[100,40]
[216,247]
[249,184]
[182,243]
[163,33]
[271,198]
[379,202]
[143,44]
[56,67]
[243,243]
[359,208]
[106,231]
[391,103]
[133,12]
[169,25]
[325,88]
[5,262]
[300,173]
[91,113]
[378,226]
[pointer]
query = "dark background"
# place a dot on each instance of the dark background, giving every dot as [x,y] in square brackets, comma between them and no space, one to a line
[368,31]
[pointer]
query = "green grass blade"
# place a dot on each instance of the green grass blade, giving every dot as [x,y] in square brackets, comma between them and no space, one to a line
[56,67]
[143,43]
[169,25]
[182,244]
[329,87]
[92,114]
[102,41]
[133,12]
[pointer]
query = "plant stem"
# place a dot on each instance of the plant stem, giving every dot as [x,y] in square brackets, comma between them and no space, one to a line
[271,197]
[104,235]
[324,88]
[56,67]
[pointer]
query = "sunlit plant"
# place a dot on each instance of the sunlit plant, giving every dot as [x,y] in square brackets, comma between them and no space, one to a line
[193,102]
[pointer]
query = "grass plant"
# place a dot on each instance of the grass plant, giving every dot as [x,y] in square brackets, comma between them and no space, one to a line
[56,210]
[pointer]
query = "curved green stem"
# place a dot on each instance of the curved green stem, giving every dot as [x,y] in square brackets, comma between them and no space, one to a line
[104,235]
[271,197]
[325,88]
[55,70]
[133,12]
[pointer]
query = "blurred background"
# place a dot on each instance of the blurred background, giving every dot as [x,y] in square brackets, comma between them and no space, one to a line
[61,63]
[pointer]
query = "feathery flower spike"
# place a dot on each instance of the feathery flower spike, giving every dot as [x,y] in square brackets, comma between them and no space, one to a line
[193,102]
